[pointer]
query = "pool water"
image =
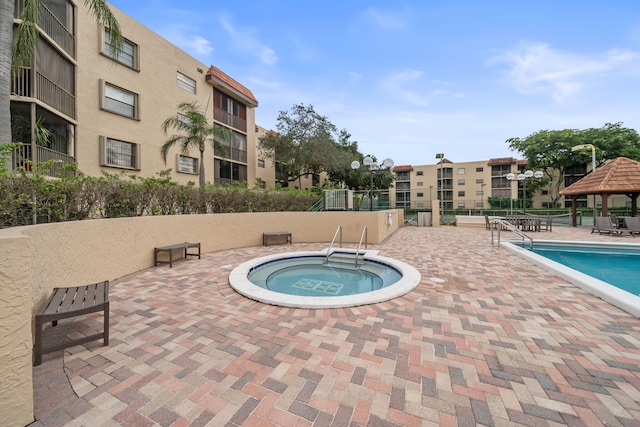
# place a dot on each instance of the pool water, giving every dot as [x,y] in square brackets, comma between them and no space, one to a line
[313,276]
[618,267]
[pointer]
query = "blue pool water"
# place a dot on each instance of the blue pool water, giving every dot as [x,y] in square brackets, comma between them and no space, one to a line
[618,267]
[313,276]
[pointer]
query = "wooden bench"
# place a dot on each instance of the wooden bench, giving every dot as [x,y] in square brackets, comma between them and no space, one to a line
[280,236]
[65,303]
[174,249]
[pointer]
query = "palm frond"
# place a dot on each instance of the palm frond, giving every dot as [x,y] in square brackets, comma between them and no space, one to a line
[100,10]
[26,37]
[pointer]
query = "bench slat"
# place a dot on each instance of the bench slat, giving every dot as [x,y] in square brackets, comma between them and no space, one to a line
[69,298]
[54,301]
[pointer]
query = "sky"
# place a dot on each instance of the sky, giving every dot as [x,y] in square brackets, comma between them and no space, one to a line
[410,79]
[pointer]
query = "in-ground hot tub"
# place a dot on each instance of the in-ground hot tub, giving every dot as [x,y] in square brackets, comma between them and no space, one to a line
[313,280]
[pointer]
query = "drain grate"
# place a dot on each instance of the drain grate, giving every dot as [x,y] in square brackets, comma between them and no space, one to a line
[323,286]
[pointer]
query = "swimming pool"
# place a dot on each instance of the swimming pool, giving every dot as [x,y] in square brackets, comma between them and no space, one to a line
[299,279]
[610,271]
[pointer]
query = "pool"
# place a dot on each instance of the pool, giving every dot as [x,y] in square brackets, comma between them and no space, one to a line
[610,271]
[307,280]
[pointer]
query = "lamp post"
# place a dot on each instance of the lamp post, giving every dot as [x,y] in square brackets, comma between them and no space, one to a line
[372,166]
[593,168]
[430,198]
[510,177]
[523,177]
[441,207]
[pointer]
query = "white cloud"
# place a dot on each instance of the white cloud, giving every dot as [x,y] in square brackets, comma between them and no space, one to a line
[244,39]
[387,19]
[193,44]
[537,68]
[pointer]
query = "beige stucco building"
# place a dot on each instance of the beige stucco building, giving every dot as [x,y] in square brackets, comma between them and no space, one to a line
[470,185]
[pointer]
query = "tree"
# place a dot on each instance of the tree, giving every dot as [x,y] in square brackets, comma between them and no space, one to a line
[19,52]
[550,151]
[305,143]
[195,132]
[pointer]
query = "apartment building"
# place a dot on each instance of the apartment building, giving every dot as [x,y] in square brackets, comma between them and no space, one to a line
[106,114]
[469,185]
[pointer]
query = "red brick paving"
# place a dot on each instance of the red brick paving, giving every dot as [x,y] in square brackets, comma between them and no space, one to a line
[500,342]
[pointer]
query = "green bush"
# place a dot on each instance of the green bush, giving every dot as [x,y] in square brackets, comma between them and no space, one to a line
[73,196]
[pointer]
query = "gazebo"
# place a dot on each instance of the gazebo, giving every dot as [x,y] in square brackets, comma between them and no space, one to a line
[619,176]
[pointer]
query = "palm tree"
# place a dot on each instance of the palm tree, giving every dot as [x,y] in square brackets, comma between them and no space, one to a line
[19,52]
[195,131]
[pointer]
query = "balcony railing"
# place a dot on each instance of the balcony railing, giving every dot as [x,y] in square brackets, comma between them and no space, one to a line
[51,26]
[57,31]
[229,119]
[51,94]
[23,157]
[46,91]
[232,154]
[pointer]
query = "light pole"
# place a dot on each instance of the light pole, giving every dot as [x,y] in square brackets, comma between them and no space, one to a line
[523,177]
[510,177]
[430,198]
[441,157]
[372,166]
[593,168]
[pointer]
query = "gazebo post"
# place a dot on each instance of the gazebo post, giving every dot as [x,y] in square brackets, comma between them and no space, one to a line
[634,203]
[574,211]
[604,196]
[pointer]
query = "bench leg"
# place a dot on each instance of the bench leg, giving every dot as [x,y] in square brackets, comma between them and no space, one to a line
[106,324]
[37,351]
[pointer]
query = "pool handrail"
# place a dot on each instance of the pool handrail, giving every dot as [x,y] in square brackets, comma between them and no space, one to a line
[338,230]
[499,223]
[365,237]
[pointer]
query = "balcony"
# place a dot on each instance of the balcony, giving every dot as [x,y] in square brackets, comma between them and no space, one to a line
[24,153]
[229,119]
[51,26]
[232,154]
[44,90]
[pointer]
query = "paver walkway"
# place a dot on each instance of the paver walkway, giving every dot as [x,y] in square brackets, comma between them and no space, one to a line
[500,342]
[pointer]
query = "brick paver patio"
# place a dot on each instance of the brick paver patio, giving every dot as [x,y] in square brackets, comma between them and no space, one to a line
[500,342]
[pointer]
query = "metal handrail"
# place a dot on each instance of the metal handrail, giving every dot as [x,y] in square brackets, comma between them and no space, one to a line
[499,223]
[338,230]
[365,237]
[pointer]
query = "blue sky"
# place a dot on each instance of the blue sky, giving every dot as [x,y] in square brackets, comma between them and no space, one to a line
[409,79]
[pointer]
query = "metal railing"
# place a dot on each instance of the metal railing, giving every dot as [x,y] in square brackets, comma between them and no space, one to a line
[23,157]
[498,224]
[329,252]
[229,119]
[52,94]
[364,237]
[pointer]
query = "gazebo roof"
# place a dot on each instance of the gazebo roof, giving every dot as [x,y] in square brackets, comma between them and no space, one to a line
[619,176]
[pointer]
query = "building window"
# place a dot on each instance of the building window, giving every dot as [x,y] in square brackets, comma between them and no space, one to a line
[420,205]
[460,193]
[186,83]
[420,194]
[461,171]
[227,172]
[260,163]
[128,55]
[419,173]
[480,181]
[461,182]
[479,193]
[262,185]
[479,169]
[419,184]
[480,205]
[460,205]
[119,154]
[544,192]
[118,100]
[187,164]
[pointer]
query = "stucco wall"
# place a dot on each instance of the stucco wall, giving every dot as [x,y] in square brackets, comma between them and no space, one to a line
[35,259]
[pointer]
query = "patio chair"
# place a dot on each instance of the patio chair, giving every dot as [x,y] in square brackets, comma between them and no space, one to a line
[633,225]
[546,225]
[603,225]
